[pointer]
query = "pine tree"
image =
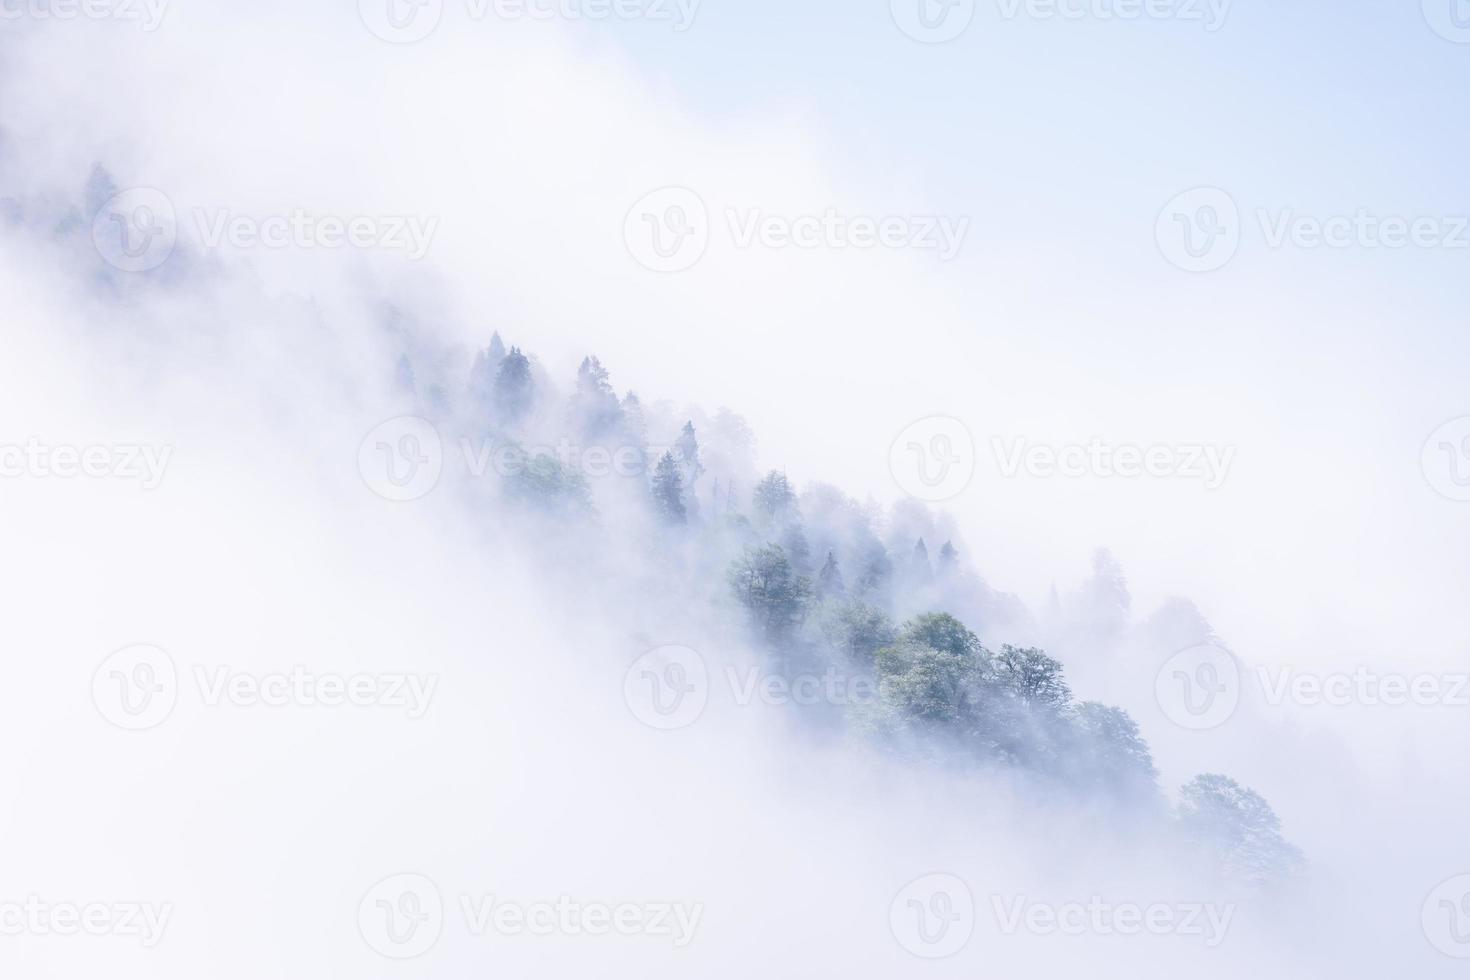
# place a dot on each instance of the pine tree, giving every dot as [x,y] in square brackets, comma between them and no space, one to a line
[687,446]
[514,391]
[919,564]
[595,403]
[948,559]
[668,490]
[483,374]
[829,579]
[793,541]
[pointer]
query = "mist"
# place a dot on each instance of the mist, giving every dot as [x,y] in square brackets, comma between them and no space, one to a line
[410,569]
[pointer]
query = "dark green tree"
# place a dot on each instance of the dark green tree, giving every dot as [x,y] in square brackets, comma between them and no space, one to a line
[772,592]
[514,390]
[668,490]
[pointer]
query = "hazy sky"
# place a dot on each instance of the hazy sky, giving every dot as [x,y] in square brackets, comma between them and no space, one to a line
[1055,149]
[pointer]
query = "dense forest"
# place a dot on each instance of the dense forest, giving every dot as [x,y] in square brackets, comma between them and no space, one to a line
[819,584]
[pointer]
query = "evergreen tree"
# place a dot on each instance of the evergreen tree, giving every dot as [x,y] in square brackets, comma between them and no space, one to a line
[829,579]
[595,404]
[948,559]
[668,490]
[793,541]
[690,467]
[514,390]
[919,564]
[483,374]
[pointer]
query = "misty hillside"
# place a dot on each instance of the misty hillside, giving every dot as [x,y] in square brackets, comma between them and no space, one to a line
[877,614]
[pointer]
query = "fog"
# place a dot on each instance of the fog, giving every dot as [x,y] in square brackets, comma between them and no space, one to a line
[247,541]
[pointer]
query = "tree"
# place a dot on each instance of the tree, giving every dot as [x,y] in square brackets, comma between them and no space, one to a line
[793,541]
[941,631]
[687,448]
[1112,755]
[514,390]
[829,578]
[858,630]
[668,490]
[919,564]
[1031,677]
[544,482]
[932,687]
[483,374]
[595,404]
[773,498]
[771,591]
[1238,828]
[948,558]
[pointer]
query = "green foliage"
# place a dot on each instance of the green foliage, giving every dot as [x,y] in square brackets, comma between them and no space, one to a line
[1031,677]
[771,591]
[543,482]
[1238,828]
[668,490]
[774,499]
[514,390]
[857,630]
